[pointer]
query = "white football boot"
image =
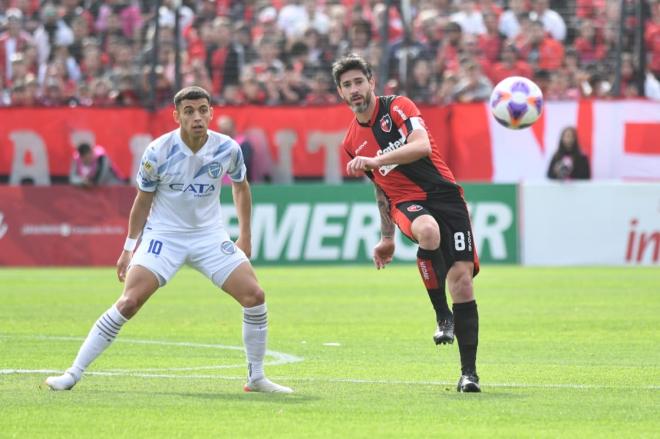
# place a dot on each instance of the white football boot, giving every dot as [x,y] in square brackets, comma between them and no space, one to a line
[66,381]
[267,386]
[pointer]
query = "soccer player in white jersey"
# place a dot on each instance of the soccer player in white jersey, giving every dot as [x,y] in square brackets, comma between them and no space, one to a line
[176,213]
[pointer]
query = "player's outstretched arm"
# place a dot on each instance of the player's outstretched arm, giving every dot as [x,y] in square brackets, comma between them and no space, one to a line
[243,202]
[136,222]
[417,146]
[384,250]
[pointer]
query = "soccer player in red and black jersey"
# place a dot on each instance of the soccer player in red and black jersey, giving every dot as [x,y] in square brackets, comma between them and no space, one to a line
[388,141]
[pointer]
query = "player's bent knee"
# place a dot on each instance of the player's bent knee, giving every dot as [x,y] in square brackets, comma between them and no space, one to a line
[128,306]
[255,298]
[427,233]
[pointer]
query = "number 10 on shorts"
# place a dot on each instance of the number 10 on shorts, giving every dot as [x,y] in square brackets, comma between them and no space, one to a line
[155,247]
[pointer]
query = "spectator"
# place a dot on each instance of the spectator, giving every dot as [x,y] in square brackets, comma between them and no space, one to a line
[509,24]
[510,65]
[469,18]
[223,56]
[290,15]
[560,88]
[126,13]
[553,23]
[422,85]
[473,86]
[12,41]
[470,48]
[102,93]
[92,167]
[52,95]
[320,93]
[253,92]
[447,57]
[490,43]
[360,35]
[651,86]
[52,32]
[569,163]
[445,94]
[652,39]
[540,51]
[589,44]
[428,28]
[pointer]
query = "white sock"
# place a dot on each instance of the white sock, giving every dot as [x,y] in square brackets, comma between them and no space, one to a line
[255,333]
[102,334]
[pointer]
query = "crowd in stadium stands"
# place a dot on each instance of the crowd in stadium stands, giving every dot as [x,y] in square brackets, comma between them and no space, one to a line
[98,52]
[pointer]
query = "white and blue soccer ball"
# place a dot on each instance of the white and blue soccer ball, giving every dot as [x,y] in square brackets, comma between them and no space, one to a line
[516,102]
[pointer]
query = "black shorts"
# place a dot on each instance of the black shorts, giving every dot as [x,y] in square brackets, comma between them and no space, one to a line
[456,237]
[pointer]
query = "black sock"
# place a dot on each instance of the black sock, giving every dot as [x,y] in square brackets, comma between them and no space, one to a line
[432,268]
[466,329]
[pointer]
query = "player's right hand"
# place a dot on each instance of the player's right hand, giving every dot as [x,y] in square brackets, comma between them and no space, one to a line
[358,165]
[383,252]
[122,264]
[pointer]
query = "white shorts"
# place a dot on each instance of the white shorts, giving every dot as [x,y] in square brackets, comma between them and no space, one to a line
[211,253]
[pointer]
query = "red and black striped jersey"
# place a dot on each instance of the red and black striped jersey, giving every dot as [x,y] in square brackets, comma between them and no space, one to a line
[394,118]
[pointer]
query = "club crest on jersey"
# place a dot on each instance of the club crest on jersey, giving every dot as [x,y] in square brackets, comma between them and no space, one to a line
[386,123]
[228,248]
[414,208]
[215,170]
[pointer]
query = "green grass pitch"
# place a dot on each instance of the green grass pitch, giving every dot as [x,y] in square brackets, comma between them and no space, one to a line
[564,352]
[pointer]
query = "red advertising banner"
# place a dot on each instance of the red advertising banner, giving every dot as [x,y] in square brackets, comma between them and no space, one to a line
[288,141]
[619,137]
[62,225]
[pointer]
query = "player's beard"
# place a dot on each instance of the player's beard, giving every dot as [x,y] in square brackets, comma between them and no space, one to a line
[361,108]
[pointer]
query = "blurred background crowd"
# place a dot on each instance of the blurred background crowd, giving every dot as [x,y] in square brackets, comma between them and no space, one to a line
[105,53]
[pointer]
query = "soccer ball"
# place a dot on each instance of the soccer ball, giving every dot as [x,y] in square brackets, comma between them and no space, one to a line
[516,102]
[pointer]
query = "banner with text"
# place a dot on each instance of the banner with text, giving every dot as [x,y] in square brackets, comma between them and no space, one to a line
[291,224]
[621,138]
[320,223]
[590,224]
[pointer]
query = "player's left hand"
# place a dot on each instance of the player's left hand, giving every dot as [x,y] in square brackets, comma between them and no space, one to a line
[358,165]
[245,244]
[383,252]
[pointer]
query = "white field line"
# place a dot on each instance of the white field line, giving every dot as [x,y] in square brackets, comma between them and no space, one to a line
[280,359]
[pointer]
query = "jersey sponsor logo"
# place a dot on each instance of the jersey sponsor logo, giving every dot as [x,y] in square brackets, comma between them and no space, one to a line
[386,123]
[414,208]
[228,248]
[215,169]
[385,169]
[360,148]
[196,188]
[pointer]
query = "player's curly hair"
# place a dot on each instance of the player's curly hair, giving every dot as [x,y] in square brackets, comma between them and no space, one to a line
[192,92]
[350,62]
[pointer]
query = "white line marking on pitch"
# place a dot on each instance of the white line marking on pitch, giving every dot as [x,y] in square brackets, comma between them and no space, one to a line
[279,358]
